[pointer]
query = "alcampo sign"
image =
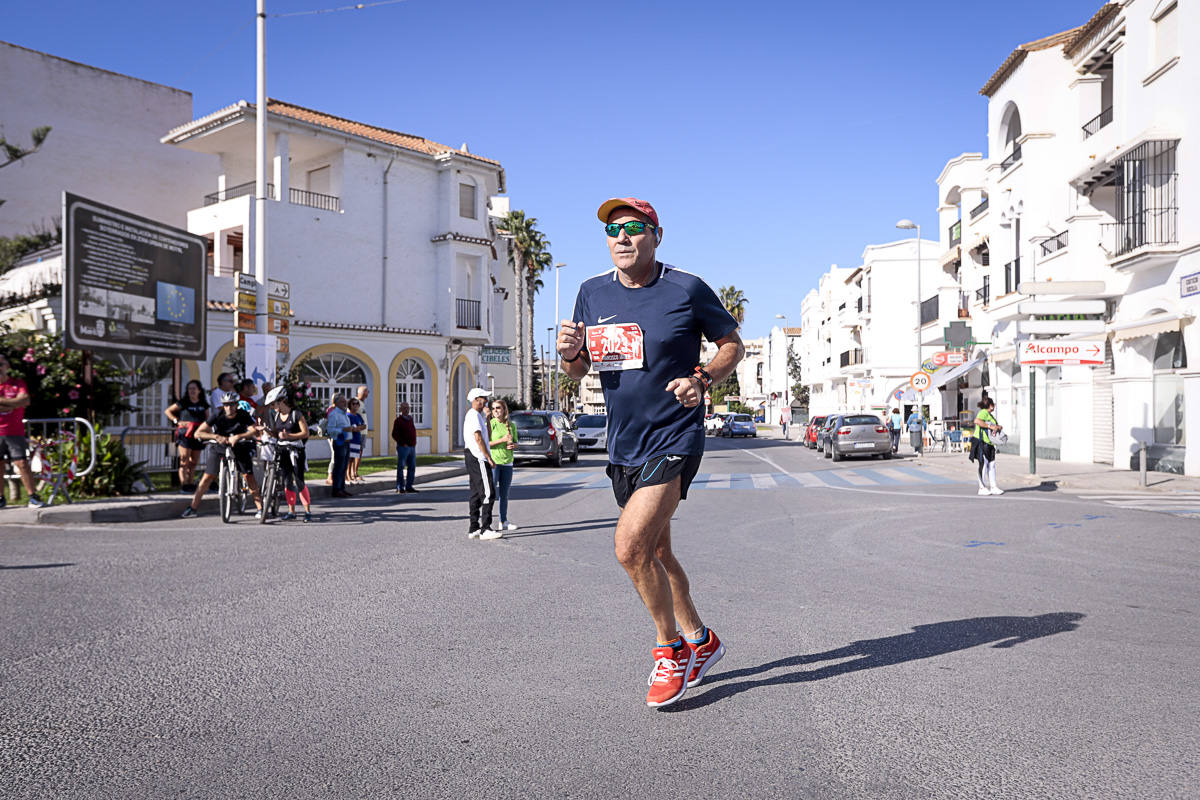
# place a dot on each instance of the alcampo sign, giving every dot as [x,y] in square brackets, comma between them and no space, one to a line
[1053,354]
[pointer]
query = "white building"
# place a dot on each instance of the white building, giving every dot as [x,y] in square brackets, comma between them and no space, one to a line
[1087,147]
[397,276]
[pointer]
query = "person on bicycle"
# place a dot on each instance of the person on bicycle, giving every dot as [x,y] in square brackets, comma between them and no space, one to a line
[233,427]
[290,428]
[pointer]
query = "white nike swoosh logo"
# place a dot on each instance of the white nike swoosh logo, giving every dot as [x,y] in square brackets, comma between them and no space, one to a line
[674,458]
[601,320]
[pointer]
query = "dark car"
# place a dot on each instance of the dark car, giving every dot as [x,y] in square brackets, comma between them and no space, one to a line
[545,434]
[857,435]
[810,432]
[823,433]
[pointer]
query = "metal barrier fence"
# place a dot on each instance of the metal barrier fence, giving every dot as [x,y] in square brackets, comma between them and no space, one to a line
[155,446]
[53,455]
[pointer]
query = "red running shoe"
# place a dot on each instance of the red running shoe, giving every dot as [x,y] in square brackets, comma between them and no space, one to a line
[707,653]
[668,679]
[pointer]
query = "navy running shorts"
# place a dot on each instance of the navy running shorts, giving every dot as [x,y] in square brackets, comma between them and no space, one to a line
[660,469]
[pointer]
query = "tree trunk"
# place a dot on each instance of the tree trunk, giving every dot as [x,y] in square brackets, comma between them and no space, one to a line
[532,336]
[519,288]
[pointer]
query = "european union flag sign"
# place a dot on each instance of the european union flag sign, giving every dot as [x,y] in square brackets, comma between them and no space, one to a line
[176,303]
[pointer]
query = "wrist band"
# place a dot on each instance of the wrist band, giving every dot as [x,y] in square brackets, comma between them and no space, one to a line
[575,358]
[702,375]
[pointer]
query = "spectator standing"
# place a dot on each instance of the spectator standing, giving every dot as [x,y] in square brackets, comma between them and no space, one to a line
[225,385]
[502,440]
[357,426]
[290,428]
[404,434]
[337,428]
[784,417]
[916,430]
[983,448]
[479,468]
[187,414]
[14,397]
[895,425]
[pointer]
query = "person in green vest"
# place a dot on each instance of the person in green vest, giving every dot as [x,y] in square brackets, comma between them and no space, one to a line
[502,439]
[983,450]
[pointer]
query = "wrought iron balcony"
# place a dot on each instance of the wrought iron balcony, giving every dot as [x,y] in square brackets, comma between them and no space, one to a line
[956,233]
[929,310]
[979,209]
[467,314]
[241,190]
[1097,122]
[1011,159]
[984,293]
[850,358]
[1012,275]
[325,202]
[1059,242]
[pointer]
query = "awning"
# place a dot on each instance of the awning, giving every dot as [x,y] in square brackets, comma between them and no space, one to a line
[999,356]
[978,243]
[1149,326]
[941,379]
[951,255]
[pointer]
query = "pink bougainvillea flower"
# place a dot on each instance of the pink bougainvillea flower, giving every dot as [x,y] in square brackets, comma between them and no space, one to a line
[66,411]
[74,395]
[29,357]
[41,370]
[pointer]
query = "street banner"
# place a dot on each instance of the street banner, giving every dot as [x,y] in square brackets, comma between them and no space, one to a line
[1053,354]
[131,284]
[260,358]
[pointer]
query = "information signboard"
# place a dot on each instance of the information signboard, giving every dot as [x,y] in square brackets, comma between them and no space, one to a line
[496,355]
[1189,285]
[132,284]
[246,321]
[280,289]
[949,358]
[1057,353]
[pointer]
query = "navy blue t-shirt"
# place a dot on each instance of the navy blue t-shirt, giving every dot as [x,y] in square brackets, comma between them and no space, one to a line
[640,340]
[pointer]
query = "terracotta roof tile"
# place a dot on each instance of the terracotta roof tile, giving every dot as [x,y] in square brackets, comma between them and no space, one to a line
[1088,28]
[395,138]
[1018,55]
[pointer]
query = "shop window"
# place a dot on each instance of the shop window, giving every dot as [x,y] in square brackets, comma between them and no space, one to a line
[1170,357]
[412,387]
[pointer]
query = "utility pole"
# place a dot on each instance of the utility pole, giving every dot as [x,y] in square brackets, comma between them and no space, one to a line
[260,176]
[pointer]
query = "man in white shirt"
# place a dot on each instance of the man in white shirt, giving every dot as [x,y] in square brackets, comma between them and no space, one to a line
[223,387]
[479,468]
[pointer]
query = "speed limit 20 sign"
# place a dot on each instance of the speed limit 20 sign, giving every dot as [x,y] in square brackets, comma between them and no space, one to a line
[920,381]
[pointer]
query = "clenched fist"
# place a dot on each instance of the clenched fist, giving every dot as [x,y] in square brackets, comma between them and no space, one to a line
[687,391]
[570,339]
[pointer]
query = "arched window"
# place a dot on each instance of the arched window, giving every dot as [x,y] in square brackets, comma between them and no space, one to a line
[412,387]
[332,373]
[1010,127]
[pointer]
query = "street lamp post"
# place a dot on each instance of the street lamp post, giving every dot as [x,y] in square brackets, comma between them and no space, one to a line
[557,266]
[787,403]
[908,225]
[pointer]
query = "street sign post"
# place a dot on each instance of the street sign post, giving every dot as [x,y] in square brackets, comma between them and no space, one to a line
[493,354]
[247,301]
[920,381]
[949,358]
[245,321]
[246,282]
[1050,353]
[279,289]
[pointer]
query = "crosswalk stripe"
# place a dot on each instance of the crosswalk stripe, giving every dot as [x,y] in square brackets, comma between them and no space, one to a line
[896,475]
[763,481]
[926,477]
[857,478]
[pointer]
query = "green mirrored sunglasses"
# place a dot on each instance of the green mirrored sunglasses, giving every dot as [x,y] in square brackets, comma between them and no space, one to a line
[613,229]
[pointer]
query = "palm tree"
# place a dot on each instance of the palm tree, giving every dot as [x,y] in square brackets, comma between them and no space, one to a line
[528,255]
[734,301]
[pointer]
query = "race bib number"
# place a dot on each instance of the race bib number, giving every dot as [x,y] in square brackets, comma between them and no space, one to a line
[616,347]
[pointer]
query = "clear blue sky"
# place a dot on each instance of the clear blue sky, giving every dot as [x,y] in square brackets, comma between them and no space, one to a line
[775,138]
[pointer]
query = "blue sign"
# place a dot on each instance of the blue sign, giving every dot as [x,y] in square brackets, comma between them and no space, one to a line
[176,303]
[1189,285]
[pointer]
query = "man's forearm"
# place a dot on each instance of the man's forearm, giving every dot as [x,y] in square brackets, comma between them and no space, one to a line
[576,369]
[726,360]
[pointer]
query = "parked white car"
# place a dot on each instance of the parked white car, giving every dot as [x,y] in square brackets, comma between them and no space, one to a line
[592,430]
[713,424]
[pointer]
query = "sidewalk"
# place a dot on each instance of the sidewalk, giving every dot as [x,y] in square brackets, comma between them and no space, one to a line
[1013,471]
[150,507]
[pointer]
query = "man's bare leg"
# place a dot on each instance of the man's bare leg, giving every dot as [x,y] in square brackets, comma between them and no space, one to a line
[643,522]
[685,611]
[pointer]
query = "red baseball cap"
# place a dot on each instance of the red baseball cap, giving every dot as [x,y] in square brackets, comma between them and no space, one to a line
[607,207]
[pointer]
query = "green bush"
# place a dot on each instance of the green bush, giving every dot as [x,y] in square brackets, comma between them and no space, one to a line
[113,475]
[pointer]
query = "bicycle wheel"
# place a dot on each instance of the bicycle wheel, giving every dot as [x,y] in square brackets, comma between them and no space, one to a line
[225,491]
[268,493]
[243,494]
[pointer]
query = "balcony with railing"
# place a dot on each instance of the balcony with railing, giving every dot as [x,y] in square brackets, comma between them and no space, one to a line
[979,209]
[984,293]
[1054,244]
[1097,122]
[1011,160]
[1012,275]
[297,197]
[929,310]
[956,233]
[467,314]
[850,358]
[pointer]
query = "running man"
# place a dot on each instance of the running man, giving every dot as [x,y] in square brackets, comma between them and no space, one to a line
[640,325]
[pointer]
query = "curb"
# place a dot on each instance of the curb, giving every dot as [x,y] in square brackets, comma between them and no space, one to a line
[151,508]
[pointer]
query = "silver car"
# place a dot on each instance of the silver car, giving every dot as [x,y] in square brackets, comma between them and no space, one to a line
[857,435]
[592,430]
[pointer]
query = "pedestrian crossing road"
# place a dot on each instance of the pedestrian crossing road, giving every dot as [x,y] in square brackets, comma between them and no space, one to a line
[891,477]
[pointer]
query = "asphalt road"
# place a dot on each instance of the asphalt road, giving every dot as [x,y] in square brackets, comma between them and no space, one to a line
[890,634]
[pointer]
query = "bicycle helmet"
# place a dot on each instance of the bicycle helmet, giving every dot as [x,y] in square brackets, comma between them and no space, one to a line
[278,393]
[229,398]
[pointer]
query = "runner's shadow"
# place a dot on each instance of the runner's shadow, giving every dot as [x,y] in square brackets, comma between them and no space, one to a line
[925,641]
